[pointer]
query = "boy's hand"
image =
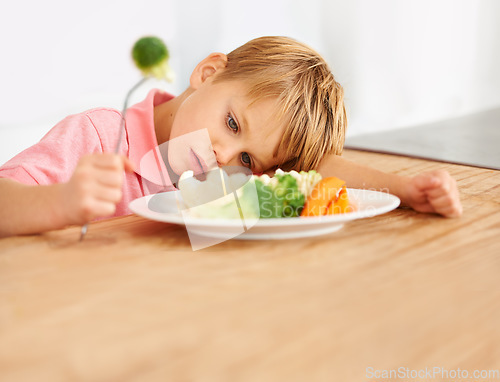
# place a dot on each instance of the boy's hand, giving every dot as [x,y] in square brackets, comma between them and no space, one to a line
[434,192]
[94,188]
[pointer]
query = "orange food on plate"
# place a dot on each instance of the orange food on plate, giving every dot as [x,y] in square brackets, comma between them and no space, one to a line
[323,194]
[341,205]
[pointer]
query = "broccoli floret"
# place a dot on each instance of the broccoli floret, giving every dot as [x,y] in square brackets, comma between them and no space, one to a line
[269,205]
[151,55]
[282,198]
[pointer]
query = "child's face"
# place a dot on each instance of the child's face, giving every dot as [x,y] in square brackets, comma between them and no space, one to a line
[239,134]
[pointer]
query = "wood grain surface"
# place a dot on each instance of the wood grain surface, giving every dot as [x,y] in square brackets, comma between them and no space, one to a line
[403,291]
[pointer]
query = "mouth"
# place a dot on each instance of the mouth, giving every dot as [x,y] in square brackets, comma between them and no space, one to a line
[198,165]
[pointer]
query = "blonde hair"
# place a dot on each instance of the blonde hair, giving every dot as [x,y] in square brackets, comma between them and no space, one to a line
[311,101]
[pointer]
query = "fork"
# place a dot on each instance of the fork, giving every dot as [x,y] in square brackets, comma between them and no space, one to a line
[85,227]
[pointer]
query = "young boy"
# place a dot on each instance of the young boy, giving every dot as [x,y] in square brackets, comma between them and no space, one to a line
[271,103]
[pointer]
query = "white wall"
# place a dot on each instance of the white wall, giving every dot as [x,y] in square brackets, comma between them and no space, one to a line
[402,62]
[408,62]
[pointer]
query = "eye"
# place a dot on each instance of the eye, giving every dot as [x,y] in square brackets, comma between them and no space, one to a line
[246,160]
[231,123]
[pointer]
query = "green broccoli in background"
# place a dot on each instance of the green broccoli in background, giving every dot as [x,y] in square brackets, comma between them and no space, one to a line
[151,55]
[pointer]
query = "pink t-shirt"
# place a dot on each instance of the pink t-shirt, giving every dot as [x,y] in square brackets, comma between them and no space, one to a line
[54,158]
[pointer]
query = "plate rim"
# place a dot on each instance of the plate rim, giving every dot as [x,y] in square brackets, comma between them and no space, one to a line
[177,218]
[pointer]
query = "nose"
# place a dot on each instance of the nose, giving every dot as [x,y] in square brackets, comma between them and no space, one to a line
[226,155]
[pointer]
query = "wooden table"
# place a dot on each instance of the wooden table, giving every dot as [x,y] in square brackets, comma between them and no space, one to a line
[402,292]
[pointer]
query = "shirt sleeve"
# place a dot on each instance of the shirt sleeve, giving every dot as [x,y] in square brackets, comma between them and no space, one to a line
[54,158]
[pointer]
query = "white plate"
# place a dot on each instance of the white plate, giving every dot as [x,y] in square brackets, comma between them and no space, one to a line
[165,209]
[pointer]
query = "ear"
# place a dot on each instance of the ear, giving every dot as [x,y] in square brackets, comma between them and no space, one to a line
[211,65]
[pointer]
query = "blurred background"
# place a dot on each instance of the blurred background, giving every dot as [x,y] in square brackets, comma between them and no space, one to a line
[401,62]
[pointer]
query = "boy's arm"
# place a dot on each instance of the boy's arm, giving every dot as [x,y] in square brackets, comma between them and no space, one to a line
[433,192]
[93,191]
[29,209]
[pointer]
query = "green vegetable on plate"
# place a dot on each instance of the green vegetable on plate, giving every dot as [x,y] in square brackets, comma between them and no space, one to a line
[280,196]
[284,194]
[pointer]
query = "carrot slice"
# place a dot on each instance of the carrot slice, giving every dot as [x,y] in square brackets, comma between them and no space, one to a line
[341,205]
[322,196]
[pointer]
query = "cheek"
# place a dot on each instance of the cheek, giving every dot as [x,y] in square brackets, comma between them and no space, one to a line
[177,156]
[184,122]
[178,145]
[181,149]
[200,111]
[189,121]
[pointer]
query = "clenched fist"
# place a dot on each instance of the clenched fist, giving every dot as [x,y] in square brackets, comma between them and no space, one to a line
[95,187]
[434,192]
